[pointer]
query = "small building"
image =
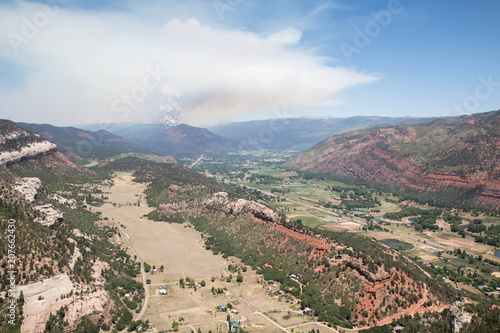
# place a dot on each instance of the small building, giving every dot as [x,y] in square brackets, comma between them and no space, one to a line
[353,321]
[234,311]
[308,311]
[235,325]
[338,256]
[223,307]
[127,295]
[162,291]
[398,329]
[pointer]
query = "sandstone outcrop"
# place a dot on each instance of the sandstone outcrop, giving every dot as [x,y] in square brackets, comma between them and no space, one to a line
[221,202]
[29,151]
[28,187]
[458,317]
[50,217]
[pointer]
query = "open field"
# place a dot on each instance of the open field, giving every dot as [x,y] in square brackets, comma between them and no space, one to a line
[180,249]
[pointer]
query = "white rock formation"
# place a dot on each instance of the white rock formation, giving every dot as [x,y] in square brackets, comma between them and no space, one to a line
[458,318]
[31,150]
[51,215]
[260,211]
[28,186]
[44,298]
[76,254]
[71,203]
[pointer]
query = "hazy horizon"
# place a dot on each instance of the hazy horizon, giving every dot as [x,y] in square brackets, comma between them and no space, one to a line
[211,62]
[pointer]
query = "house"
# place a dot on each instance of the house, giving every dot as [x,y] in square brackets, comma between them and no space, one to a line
[235,325]
[162,291]
[353,321]
[234,311]
[223,307]
[338,256]
[308,311]
[398,329]
[127,295]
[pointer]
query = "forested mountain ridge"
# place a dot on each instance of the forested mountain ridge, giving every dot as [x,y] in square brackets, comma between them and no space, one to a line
[178,141]
[450,161]
[299,133]
[78,144]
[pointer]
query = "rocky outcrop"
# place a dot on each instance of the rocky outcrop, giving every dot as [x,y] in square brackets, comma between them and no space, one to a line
[48,296]
[379,277]
[50,214]
[221,202]
[31,150]
[71,203]
[458,317]
[28,187]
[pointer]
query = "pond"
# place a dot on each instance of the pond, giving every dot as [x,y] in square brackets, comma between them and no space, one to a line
[358,212]
[397,244]
[90,165]
[379,218]
[497,253]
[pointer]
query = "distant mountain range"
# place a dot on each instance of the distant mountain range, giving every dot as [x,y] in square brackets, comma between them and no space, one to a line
[78,144]
[447,162]
[180,140]
[299,133]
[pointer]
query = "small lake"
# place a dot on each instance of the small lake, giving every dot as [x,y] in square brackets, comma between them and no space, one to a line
[397,244]
[497,253]
[90,165]
[379,218]
[359,212]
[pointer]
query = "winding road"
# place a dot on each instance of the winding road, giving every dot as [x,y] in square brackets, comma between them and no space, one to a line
[143,273]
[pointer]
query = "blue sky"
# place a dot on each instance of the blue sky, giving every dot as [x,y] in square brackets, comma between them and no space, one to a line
[203,62]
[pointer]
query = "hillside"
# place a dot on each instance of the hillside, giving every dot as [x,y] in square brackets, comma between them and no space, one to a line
[17,144]
[180,140]
[452,162]
[299,133]
[64,274]
[359,285]
[79,144]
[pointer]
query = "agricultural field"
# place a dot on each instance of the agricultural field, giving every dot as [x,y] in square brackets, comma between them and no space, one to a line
[196,281]
[431,235]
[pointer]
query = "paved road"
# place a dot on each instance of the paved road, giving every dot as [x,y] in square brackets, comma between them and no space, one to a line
[197,161]
[143,272]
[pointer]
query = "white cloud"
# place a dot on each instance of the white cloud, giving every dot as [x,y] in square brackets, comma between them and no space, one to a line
[88,66]
[289,36]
